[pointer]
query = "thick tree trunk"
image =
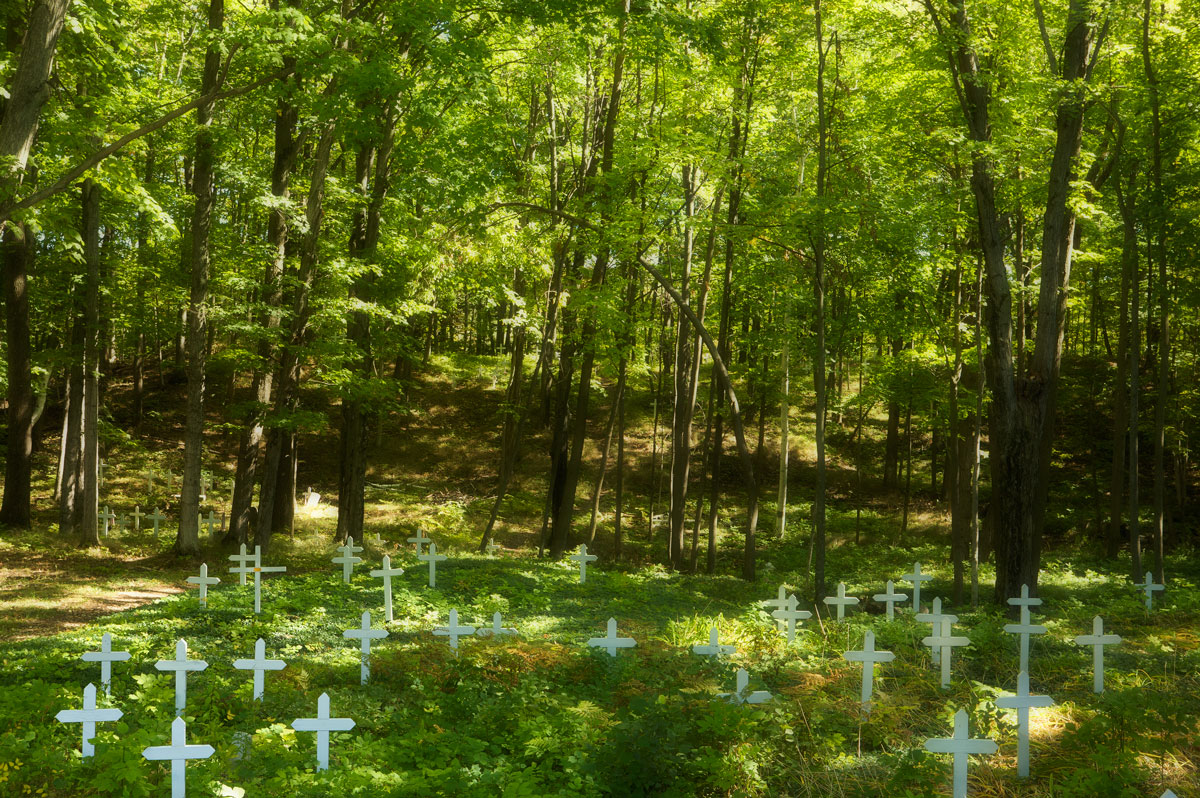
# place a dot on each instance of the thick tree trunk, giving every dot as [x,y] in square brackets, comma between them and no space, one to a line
[89,469]
[17,249]
[1120,393]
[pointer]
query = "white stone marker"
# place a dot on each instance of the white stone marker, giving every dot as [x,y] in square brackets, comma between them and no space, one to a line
[106,657]
[365,634]
[583,558]
[386,573]
[611,642]
[934,619]
[789,615]
[88,717]
[259,570]
[714,647]
[739,696]
[156,518]
[961,746]
[137,516]
[1149,588]
[348,559]
[1098,640]
[916,578]
[322,724]
[841,601]
[420,540]
[259,665]
[210,522]
[178,752]
[496,629]
[242,559]
[868,657]
[454,631]
[1021,702]
[106,517]
[1025,628]
[204,580]
[946,642]
[491,547]
[433,558]
[890,598]
[181,665]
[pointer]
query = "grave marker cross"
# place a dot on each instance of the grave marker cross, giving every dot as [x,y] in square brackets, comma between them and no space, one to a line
[203,580]
[348,559]
[891,598]
[106,516]
[106,657]
[242,559]
[868,657]
[156,518]
[491,547]
[1025,628]
[583,558]
[1150,589]
[365,634]
[122,523]
[961,746]
[495,630]
[178,752]
[259,665]
[322,724]
[779,602]
[714,648]
[841,600]
[453,630]
[934,619]
[1021,702]
[916,578]
[259,570]
[181,665]
[387,572]
[740,696]
[88,717]
[433,558]
[210,522]
[138,515]
[1097,640]
[947,643]
[611,642]
[420,540]
[789,615]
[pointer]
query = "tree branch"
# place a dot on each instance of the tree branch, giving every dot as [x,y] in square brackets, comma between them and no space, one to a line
[1041,18]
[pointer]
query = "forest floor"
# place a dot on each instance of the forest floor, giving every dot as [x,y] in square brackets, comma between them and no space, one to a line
[544,715]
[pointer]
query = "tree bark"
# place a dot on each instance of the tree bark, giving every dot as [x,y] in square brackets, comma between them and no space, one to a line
[17,254]
[89,468]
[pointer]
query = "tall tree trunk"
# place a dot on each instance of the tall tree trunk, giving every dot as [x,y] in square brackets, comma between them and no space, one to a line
[89,468]
[819,245]
[1120,394]
[784,407]
[17,249]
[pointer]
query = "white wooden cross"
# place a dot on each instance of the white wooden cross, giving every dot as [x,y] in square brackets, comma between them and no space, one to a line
[916,578]
[178,752]
[156,518]
[891,598]
[583,558]
[88,717]
[386,573]
[203,580]
[181,665]
[242,559]
[433,558]
[137,515]
[1150,589]
[322,724]
[841,600]
[1098,640]
[491,547]
[420,540]
[210,522]
[122,523]
[961,746]
[947,643]
[1025,628]
[106,517]
[611,642]
[714,647]
[454,630]
[149,473]
[789,615]
[1168,794]
[205,483]
[868,657]
[496,629]
[348,559]
[103,471]
[106,657]
[259,570]
[740,696]
[1021,702]
[780,602]
[259,665]
[365,634]
[934,619]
